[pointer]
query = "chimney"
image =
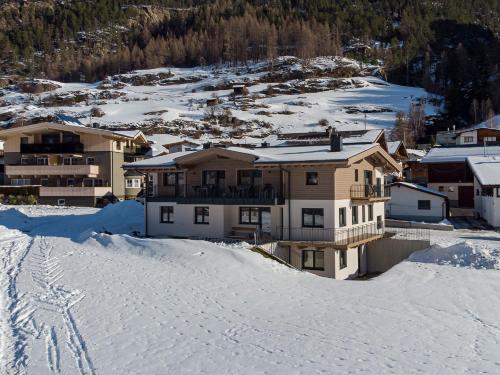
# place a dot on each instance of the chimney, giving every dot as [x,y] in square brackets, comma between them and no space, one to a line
[336,142]
[207,145]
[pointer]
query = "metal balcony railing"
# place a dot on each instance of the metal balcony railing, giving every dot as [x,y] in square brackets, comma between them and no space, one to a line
[370,191]
[337,236]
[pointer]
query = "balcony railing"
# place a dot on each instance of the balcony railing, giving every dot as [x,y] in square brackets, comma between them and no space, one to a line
[54,148]
[336,236]
[370,192]
[138,151]
[210,194]
[52,170]
[74,191]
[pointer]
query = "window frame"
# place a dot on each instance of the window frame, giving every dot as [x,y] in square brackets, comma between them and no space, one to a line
[422,207]
[356,175]
[61,202]
[342,259]
[89,158]
[354,215]
[342,215]
[363,214]
[314,253]
[203,216]
[255,175]
[136,185]
[72,179]
[370,212]
[316,213]
[312,183]
[170,214]
[250,209]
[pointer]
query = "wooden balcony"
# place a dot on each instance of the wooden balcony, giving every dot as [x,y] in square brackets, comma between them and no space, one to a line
[76,191]
[52,170]
[370,193]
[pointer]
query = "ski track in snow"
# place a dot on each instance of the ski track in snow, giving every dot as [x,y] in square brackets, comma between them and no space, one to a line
[16,311]
[58,300]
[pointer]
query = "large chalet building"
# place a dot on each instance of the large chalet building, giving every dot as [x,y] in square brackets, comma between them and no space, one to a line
[319,203]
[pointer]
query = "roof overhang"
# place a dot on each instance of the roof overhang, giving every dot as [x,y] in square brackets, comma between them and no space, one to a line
[211,154]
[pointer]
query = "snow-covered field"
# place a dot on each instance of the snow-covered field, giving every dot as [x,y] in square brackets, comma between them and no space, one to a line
[182,97]
[73,301]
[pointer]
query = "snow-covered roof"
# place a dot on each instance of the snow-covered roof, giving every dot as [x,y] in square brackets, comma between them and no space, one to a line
[68,120]
[161,161]
[421,188]
[392,147]
[416,153]
[302,154]
[458,154]
[127,133]
[370,136]
[486,169]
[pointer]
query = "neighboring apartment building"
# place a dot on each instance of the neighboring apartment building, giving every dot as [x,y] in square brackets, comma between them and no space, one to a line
[486,171]
[72,164]
[167,144]
[449,173]
[320,204]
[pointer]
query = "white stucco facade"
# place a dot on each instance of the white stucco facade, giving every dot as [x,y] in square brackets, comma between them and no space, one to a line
[487,207]
[404,205]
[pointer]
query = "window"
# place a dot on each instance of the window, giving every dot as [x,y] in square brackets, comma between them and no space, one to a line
[311,178]
[477,192]
[24,140]
[370,212]
[312,218]
[90,160]
[355,217]
[356,175]
[92,182]
[214,178]
[250,177]
[342,217]
[67,161]
[313,260]
[118,145]
[25,161]
[380,223]
[20,181]
[424,204]
[133,183]
[51,139]
[42,161]
[169,179]
[70,138]
[342,259]
[498,192]
[363,213]
[468,139]
[167,214]
[44,181]
[490,139]
[441,188]
[250,215]
[70,182]
[201,215]
[61,202]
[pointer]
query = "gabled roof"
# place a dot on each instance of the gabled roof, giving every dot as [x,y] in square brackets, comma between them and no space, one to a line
[458,154]
[420,188]
[397,147]
[272,156]
[71,128]
[486,169]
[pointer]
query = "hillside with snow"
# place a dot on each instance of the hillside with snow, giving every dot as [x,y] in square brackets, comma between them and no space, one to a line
[287,95]
[80,295]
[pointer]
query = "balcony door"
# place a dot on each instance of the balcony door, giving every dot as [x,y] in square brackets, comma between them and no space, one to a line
[51,139]
[215,181]
[250,181]
[368,183]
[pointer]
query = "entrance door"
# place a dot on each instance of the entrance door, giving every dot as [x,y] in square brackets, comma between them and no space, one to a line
[265,220]
[466,196]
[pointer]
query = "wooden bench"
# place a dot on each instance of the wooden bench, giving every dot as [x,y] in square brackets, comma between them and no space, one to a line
[242,232]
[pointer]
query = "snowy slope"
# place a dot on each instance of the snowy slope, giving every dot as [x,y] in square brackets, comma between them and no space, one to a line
[178,103]
[115,304]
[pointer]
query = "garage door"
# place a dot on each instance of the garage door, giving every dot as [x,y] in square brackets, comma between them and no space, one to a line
[466,196]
